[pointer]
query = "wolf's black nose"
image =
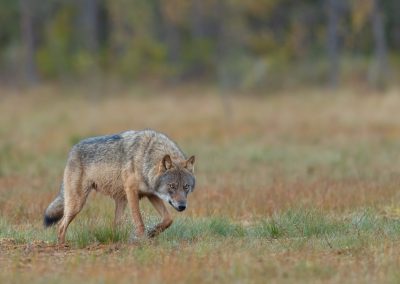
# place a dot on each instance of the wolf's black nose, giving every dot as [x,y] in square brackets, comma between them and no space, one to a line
[181,207]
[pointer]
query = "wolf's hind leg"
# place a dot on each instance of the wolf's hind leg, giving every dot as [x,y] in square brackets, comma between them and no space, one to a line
[166,218]
[120,205]
[70,211]
[75,196]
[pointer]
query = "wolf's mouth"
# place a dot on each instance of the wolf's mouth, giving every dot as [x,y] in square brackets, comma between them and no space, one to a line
[169,201]
[176,208]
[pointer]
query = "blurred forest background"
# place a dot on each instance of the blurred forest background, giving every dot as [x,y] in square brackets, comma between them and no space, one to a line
[290,106]
[233,43]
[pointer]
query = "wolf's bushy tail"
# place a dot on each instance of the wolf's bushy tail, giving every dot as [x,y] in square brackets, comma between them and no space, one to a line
[55,210]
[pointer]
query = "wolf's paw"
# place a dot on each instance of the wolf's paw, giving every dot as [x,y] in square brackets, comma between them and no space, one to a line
[152,232]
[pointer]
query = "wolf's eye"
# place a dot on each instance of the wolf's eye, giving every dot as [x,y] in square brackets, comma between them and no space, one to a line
[186,187]
[171,187]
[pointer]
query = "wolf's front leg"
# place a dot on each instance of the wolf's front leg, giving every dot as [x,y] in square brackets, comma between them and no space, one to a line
[132,194]
[120,205]
[166,218]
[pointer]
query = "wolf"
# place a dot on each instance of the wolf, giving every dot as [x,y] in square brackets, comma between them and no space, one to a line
[127,167]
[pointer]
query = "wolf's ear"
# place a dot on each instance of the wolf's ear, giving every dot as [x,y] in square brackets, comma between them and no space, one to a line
[190,164]
[166,163]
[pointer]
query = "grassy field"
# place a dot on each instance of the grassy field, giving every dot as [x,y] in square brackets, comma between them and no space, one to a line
[300,187]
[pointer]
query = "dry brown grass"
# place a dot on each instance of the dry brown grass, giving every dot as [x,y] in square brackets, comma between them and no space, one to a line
[334,152]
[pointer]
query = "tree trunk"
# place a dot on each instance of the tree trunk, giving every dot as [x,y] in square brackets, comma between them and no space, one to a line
[90,22]
[225,46]
[197,23]
[379,70]
[28,42]
[172,39]
[89,34]
[158,20]
[333,42]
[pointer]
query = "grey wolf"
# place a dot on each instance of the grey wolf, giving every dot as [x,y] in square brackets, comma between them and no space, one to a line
[125,166]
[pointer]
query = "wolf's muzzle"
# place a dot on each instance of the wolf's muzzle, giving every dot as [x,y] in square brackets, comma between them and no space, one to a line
[180,207]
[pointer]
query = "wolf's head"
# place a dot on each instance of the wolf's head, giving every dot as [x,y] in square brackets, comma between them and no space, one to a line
[176,181]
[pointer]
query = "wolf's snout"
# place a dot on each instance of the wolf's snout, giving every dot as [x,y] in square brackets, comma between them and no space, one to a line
[178,206]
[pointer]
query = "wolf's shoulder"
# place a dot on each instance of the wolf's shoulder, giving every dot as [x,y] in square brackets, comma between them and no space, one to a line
[145,134]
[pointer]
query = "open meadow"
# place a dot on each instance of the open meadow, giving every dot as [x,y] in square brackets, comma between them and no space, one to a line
[297,187]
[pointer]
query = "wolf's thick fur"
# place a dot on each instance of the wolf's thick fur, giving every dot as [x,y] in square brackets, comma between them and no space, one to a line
[126,167]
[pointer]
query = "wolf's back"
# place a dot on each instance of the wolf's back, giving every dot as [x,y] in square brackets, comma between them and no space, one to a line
[55,210]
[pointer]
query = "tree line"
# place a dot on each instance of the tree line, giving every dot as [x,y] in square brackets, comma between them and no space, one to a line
[236,43]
